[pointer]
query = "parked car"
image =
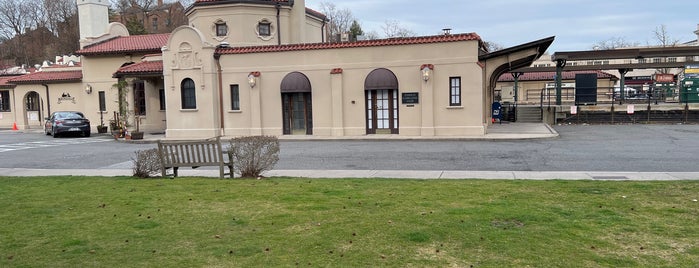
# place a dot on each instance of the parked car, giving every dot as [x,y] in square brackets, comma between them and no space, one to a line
[64,122]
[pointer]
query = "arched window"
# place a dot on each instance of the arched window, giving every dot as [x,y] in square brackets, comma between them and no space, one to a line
[381,90]
[297,105]
[189,97]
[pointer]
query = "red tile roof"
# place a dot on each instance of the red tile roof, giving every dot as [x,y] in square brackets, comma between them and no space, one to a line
[549,76]
[144,68]
[3,82]
[48,77]
[368,43]
[151,43]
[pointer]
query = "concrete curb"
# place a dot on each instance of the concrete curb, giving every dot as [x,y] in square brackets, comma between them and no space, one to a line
[386,174]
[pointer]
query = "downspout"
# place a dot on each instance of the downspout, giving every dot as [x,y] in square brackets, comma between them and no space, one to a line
[14,104]
[279,29]
[217,58]
[322,31]
[48,101]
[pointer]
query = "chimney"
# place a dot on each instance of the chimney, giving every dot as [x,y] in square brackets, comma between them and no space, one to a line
[297,21]
[93,16]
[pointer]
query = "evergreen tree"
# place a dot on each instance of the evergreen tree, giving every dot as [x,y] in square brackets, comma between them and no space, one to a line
[355,30]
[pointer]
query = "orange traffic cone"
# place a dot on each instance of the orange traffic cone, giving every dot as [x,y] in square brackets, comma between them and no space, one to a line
[14,126]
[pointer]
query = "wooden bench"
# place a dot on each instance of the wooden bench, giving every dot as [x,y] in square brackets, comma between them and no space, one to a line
[194,154]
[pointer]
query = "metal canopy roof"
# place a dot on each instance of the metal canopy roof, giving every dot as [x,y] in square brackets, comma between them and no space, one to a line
[627,53]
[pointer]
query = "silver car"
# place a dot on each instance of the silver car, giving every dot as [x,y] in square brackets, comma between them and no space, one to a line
[64,122]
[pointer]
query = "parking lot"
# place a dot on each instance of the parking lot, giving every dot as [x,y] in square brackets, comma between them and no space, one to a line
[614,148]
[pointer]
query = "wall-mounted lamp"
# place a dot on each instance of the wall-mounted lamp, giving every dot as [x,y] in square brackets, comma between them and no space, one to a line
[88,89]
[252,79]
[426,70]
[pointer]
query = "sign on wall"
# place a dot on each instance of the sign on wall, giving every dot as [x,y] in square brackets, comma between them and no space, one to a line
[411,98]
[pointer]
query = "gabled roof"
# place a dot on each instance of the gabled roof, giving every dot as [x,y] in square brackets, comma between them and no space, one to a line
[367,43]
[151,43]
[144,68]
[48,77]
[549,76]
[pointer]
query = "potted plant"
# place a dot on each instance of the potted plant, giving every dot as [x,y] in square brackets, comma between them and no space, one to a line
[101,128]
[137,135]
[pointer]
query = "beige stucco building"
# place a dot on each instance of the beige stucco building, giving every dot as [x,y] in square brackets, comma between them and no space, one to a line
[264,68]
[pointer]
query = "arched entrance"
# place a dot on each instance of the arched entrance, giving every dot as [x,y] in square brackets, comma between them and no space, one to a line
[32,108]
[381,91]
[297,104]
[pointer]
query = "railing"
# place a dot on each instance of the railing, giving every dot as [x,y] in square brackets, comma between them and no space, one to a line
[603,95]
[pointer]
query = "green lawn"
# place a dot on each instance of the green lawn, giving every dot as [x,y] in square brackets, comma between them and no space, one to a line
[286,222]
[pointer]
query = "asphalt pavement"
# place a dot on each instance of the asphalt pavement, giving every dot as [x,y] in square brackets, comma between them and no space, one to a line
[506,131]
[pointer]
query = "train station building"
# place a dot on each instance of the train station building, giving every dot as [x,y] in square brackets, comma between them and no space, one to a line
[264,67]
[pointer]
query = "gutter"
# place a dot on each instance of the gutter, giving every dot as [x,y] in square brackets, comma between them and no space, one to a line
[279,29]
[48,100]
[217,58]
[322,31]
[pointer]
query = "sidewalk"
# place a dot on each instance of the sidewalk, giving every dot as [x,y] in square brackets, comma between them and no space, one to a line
[504,131]
[392,174]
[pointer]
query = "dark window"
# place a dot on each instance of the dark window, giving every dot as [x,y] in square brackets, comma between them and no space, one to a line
[155,24]
[221,29]
[33,101]
[139,96]
[4,101]
[235,98]
[264,28]
[455,91]
[103,101]
[161,95]
[189,98]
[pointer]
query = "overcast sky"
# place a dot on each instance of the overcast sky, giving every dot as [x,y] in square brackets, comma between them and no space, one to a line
[577,24]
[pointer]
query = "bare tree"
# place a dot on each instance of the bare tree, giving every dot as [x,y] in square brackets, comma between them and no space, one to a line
[185,3]
[62,21]
[340,20]
[371,35]
[663,38]
[16,19]
[121,7]
[492,46]
[392,28]
[148,16]
[13,19]
[613,43]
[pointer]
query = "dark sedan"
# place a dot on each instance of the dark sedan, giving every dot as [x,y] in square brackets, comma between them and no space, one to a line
[65,122]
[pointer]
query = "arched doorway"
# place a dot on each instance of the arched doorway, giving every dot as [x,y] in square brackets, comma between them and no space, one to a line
[32,108]
[297,104]
[381,91]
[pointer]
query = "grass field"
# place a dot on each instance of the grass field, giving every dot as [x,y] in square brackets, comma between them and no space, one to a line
[287,222]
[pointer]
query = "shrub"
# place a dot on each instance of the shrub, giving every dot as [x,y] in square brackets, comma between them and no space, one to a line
[254,154]
[146,164]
